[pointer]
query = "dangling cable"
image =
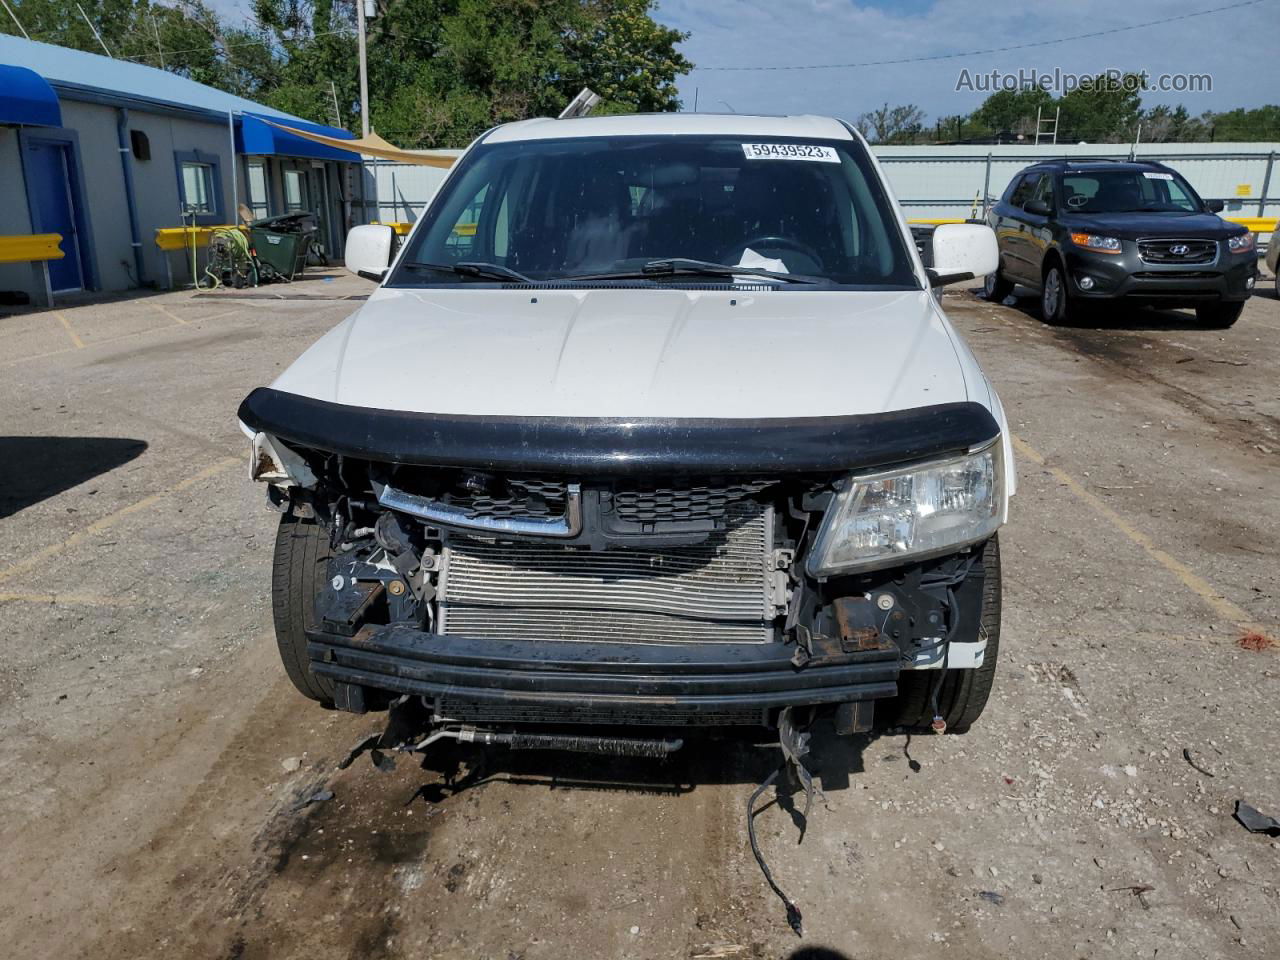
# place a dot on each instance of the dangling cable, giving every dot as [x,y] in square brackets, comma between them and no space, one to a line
[794,919]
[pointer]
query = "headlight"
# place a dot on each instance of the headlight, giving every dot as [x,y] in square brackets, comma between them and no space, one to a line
[1091,241]
[882,519]
[1240,244]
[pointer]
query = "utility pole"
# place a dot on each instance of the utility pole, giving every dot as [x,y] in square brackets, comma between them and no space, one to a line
[364,67]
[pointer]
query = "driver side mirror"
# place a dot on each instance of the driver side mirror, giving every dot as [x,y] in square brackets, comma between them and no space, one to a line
[370,249]
[1215,206]
[1038,207]
[963,251]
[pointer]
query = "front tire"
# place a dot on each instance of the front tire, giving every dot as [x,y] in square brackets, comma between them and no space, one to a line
[1219,316]
[1056,306]
[297,575]
[964,693]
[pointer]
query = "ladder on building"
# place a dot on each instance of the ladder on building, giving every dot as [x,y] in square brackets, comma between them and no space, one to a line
[1046,128]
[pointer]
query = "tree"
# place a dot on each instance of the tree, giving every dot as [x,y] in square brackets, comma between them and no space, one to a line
[440,71]
[1261,123]
[1106,110]
[1013,110]
[898,124]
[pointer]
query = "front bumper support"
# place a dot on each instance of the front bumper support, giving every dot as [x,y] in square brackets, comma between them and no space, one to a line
[597,682]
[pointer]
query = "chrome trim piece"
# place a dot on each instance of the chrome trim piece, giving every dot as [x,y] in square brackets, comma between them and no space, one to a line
[1213,259]
[435,511]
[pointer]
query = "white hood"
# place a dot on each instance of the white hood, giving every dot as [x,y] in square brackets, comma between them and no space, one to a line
[638,353]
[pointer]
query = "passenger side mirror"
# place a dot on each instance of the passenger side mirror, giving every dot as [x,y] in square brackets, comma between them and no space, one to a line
[1038,207]
[1215,206]
[963,251]
[369,250]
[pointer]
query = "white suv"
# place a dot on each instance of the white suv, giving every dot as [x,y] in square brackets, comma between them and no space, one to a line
[654,421]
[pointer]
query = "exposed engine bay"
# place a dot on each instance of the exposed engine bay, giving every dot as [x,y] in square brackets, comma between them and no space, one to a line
[636,560]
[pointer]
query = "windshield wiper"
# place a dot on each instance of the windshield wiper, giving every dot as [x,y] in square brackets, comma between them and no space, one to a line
[680,266]
[480,271]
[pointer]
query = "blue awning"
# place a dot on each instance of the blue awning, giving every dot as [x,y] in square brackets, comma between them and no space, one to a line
[27,98]
[255,137]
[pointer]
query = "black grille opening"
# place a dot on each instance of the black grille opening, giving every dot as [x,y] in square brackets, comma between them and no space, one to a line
[683,500]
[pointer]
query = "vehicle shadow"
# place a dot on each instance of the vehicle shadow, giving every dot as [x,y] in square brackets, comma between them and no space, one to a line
[36,468]
[1114,316]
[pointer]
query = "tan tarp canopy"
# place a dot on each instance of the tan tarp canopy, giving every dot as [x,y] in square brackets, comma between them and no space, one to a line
[372,146]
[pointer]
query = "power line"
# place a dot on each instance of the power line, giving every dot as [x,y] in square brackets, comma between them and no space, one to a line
[976,53]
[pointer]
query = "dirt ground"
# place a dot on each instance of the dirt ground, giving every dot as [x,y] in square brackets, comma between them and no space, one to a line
[156,764]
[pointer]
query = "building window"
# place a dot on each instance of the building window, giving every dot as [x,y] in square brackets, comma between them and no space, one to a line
[199,187]
[259,194]
[294,192]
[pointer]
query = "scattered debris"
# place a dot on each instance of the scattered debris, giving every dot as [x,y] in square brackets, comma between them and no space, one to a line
[1139,890]
[320,796]
[291,764]
[991,896]
[364,746]
[1256,821]
[1186,755]
[1254,641]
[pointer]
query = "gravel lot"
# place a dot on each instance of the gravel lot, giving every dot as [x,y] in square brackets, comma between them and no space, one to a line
[156,761]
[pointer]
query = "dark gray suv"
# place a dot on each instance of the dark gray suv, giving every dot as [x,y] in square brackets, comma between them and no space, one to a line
[1080,230]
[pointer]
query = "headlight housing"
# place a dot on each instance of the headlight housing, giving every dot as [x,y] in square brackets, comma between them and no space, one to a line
[1096,243]
[1241,244]
[882,519]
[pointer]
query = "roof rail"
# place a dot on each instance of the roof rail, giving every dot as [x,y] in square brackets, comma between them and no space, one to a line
[1092,160]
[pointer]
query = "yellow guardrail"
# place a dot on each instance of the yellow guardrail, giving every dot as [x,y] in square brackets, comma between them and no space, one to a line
[179,238]
[399,226]
[31,249]
[1256,224]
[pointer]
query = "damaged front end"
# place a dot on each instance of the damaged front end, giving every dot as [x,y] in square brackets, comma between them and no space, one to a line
[621,574]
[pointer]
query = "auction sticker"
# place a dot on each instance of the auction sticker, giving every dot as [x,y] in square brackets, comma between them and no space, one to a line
[1152,175]
[790,151]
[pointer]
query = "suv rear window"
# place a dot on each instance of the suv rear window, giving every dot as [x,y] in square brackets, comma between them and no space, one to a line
[555,209]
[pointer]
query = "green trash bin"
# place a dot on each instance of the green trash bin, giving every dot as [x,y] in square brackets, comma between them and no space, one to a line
[281,243]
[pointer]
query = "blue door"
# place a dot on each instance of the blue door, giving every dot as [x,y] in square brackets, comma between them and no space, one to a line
[48,171]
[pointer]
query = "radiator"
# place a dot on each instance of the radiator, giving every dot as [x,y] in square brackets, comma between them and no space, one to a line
[727,589]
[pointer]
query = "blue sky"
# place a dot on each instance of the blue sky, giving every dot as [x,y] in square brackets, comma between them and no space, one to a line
[789,32]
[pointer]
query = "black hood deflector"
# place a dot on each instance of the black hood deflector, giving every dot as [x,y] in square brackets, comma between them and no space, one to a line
[618,445]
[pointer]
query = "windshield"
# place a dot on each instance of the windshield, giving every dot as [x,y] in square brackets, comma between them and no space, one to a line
[1128,191]
[585,207]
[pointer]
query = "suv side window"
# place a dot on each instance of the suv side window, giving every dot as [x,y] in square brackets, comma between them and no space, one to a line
[1022,192]
[1044,189]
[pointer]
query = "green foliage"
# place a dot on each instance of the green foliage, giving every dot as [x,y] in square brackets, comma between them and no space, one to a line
[440,71]
[1110,112]
[1106,111]
[1012,110]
